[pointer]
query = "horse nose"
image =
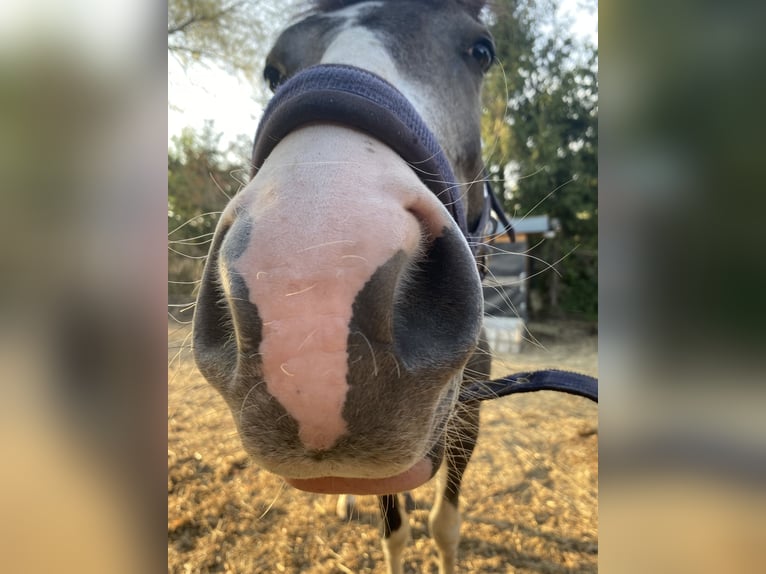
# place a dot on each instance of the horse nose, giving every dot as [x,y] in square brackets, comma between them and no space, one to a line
[336,263]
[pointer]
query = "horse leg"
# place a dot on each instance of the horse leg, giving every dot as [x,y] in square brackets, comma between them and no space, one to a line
[444,519]
[344,509]
[462,433]
[396,531]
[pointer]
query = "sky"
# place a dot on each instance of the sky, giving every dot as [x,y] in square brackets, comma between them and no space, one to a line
[201,93]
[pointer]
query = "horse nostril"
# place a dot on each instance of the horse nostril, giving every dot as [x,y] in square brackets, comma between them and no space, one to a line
[438,306]
[223,304]
[214,350]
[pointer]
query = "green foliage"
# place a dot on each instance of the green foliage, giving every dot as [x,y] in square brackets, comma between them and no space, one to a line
[541,135]
[200,179]
[230,34]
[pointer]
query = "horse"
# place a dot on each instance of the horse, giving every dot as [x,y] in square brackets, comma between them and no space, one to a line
[340,309]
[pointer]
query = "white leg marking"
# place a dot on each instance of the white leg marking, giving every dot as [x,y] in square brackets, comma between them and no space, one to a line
[444,522]
[394,545]
[345,507]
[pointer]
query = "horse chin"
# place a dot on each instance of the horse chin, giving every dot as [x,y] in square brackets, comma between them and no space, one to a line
[411,478]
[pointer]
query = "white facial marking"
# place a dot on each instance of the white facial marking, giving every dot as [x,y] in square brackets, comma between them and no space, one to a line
[360,47]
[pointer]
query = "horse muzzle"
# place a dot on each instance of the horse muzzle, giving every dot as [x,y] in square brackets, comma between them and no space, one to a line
[339,304]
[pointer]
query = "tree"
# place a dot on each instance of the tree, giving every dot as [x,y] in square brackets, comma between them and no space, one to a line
[541,132]
[200,181]
[226,33]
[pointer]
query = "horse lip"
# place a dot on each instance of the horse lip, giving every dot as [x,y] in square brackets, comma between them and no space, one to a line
[416,475]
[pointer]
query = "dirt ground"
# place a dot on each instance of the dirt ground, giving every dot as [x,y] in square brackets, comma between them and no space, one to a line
[530,496]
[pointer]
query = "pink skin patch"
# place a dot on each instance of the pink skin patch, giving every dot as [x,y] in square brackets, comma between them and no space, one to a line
[407,480]
[328,208]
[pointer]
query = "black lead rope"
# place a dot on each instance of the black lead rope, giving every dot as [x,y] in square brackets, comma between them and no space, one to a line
[546,380]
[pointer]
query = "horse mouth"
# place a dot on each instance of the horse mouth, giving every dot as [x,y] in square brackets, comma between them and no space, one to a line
[410,479]
[373,465]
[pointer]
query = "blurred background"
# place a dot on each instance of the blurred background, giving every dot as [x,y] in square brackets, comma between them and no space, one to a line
[83,311]
[680,265]
[682,270]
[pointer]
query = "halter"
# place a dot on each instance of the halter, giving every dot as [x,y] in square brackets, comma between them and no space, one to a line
[358,98]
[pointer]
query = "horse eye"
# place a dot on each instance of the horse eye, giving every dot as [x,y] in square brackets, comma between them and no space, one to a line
[272,76]
[484,53]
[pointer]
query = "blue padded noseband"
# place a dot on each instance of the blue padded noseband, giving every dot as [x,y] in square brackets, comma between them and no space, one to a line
[357,98]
